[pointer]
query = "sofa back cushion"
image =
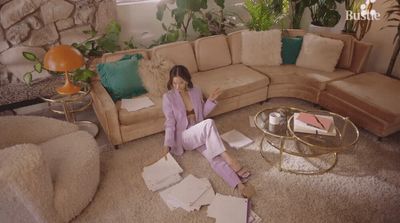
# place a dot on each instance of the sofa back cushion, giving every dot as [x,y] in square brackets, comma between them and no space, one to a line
[261,48]
[212,52]
[235,46]
[111,57]
[121,78]
[291,47]
[180,53]
[319,53]
[347,51]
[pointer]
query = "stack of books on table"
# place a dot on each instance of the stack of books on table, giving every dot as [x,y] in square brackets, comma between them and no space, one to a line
[190,194]
[314,124]
[163,173]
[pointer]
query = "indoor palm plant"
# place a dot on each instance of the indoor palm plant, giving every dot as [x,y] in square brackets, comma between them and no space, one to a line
[392,16]
[265,13]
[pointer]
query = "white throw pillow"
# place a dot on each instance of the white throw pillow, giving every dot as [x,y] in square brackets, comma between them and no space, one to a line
[155,74]
[319,53]
[261,48]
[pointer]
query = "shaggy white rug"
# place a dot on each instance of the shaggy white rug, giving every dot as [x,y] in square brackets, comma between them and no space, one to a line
[363,187]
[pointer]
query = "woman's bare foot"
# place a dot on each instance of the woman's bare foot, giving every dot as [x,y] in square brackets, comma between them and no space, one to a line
[246,191]
[241,171]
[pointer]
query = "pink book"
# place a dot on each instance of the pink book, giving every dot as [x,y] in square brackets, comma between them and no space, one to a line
[316,121]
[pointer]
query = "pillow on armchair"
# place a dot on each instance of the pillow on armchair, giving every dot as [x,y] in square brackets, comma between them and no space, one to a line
[155,74]
[121,78]
[319,53]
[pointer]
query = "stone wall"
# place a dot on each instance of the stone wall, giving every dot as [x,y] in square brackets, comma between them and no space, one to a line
[36,25]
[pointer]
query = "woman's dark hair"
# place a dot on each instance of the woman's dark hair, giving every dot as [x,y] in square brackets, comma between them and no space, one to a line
[182,72]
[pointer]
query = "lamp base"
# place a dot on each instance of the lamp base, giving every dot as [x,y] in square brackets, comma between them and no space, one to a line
[68,88]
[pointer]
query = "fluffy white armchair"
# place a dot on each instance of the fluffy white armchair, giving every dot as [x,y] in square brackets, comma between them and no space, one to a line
[49,170]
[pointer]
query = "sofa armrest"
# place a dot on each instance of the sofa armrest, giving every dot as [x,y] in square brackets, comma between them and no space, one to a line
[360,56]
[106,112]
[26,188]
[35,129]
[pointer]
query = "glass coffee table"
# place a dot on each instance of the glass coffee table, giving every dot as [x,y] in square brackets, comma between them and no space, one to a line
[310,148]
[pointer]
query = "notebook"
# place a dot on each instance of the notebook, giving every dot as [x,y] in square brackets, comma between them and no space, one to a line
[317,121]
[134,104]
[300,126]
[236,139]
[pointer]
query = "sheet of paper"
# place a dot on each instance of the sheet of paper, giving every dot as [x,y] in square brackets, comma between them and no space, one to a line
[134,104]
[160,171]
[189,190]
[171,180]
[236,139]
[254,218]
[251,121]
[228,209]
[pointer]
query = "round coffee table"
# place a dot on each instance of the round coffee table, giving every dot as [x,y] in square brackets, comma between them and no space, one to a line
[304,145]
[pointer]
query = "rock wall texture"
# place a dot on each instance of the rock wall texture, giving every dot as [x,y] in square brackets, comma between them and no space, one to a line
[36,25]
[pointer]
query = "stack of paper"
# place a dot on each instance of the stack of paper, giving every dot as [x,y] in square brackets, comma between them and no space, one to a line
[228,209]
[135,104]
[253,218]
[162,174]
[236,139]
[314,124]
[190,194]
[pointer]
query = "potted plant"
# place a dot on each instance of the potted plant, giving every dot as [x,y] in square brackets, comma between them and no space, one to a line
[358,28]
[392,16]
[265,13]
[323,13]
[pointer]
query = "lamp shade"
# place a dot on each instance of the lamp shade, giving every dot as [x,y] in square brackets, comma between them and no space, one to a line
[63,58]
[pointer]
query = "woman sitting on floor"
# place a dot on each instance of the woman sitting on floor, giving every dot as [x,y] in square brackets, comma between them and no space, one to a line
[186,129]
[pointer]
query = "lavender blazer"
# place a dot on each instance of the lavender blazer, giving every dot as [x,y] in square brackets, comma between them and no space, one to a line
[175,114]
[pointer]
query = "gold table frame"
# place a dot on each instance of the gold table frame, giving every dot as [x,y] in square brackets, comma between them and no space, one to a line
[67,108]
[314,149]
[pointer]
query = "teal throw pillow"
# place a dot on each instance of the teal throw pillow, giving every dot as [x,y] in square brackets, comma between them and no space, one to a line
[121,78]
[291,47]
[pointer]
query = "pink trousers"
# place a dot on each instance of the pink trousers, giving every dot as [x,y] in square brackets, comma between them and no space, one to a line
[204,137]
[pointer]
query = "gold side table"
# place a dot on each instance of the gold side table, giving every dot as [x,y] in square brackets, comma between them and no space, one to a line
[305,146]
[71,104]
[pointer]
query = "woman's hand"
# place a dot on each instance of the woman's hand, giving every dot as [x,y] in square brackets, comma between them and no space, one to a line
[215,94]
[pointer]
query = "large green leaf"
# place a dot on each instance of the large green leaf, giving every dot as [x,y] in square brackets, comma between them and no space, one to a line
[83,75]
[29,56]
[160,10]
[38,67]
[28,78]
[201,26]
[179,15]
[220,3]
[331,18]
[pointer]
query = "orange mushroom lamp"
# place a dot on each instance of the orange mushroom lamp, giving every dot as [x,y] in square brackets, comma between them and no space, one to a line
[64,58]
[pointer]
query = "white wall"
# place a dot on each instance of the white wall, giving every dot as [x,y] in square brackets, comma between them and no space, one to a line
[138,19]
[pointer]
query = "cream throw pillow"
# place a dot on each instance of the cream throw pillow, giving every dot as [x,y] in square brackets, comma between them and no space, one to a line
[261,48]
[319,53]
[155,74]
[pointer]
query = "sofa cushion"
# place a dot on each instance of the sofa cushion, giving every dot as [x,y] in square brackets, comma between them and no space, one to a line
[291,47]
[234,80]
[180,52]
[235,46]
[212,52]
[111,57]
[155,74]
[319,53]
[372,92]
[347,51]
[291,74]
[121,78]
[261,48]
[142,115]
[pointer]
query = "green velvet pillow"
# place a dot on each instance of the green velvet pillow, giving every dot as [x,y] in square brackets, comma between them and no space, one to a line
[291,47]
[121,78]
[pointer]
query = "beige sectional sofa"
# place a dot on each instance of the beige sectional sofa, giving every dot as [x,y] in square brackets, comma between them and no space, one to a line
[216,62]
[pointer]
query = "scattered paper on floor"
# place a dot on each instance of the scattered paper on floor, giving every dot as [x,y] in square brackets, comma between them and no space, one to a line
[228,209]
